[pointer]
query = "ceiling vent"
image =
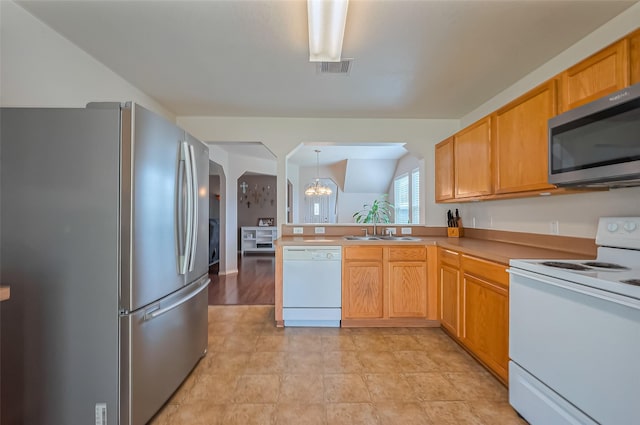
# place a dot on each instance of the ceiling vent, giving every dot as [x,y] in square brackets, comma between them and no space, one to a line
[343,67]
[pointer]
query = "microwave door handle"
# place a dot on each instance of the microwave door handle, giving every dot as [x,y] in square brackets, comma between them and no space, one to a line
[194,204]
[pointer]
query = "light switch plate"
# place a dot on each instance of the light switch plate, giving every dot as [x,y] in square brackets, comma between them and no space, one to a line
[319,230]
[297,230]
[405,230]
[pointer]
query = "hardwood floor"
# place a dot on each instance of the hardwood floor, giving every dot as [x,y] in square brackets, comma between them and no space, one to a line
[253,285]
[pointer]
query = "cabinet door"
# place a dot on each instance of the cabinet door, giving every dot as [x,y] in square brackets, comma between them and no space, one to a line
[449,298]
[521,141]
[362,290]
[444,170]
[634,56]
[596,76]
[472,160]
[408,289]
[485,322]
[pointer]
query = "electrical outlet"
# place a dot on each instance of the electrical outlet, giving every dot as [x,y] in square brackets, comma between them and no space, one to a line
[554,227]
[391,230]
[297,230]
[473,222]
[319,230]
[405,230]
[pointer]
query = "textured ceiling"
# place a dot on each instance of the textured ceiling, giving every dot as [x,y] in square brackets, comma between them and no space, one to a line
[412,59]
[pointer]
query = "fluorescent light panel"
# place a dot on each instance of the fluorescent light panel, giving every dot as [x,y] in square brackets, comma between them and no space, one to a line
[327,19]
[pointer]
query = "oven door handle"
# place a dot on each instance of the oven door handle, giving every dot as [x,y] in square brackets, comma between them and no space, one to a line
[575,287]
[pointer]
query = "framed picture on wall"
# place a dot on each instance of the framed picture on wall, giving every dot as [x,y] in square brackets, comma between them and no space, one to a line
[265,221]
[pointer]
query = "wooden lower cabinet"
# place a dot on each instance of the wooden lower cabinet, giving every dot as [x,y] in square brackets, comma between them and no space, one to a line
[407,277]
[485,322]
[362,283]
[449,290]
[474,308]
[450,298]
[362,290]
[385,286]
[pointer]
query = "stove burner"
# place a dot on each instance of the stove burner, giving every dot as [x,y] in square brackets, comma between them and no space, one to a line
[563,265]
[605,265]
[635,282]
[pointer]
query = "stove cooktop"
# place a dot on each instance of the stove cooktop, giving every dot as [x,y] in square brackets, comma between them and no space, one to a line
[615,269]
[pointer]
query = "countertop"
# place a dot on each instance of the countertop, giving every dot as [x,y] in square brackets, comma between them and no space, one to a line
[500,252]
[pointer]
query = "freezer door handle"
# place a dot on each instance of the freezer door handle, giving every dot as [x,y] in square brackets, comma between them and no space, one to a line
[194,208]
[156,311]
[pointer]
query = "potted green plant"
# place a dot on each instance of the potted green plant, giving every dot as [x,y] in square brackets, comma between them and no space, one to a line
[379,211]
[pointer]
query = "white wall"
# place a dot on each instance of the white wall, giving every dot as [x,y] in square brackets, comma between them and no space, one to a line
[42,68]
[577,214]
[283,135]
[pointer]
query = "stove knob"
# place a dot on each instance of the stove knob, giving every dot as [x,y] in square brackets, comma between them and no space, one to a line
[612,227]
[630,226]
[329,256]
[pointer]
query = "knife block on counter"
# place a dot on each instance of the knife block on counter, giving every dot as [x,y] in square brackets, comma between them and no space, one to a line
[455,232]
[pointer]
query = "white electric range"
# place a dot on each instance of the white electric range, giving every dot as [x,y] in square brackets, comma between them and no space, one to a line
[574,338]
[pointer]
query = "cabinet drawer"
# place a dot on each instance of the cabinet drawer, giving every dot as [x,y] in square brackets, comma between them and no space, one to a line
[449,257]
[487,270]
[413,253]
[363,253]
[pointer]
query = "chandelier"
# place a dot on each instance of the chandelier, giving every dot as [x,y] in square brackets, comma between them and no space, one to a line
[316,188]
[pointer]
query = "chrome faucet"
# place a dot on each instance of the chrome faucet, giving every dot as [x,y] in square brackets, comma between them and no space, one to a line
[366,232]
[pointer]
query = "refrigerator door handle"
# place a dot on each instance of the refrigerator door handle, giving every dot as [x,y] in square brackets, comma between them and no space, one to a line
[180,201]
[194,205]
[155,311]
[185,258]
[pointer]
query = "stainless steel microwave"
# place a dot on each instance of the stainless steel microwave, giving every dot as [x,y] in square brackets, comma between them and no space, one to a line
[597,144]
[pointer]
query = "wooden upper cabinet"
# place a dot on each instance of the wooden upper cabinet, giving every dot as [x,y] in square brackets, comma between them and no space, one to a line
[600,74]
[472,160]
[634,56]
[520,141]
[444,170]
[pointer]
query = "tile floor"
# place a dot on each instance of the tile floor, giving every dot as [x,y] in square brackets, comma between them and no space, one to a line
[255,373]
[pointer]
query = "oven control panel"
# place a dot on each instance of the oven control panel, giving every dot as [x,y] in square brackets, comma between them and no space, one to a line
[619,232]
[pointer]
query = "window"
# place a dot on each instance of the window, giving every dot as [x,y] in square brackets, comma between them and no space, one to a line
[401,198]
[406,198]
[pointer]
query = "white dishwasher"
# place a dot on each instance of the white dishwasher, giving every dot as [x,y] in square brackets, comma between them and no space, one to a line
[312,286]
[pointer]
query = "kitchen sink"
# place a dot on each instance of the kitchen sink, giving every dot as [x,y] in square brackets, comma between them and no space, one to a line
[399,238]
[381,238]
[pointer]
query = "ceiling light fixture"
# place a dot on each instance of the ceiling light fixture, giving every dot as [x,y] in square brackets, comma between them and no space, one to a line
[327,19]
[315,188]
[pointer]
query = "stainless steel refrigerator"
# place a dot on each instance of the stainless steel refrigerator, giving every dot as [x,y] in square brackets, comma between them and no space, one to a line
[104,243]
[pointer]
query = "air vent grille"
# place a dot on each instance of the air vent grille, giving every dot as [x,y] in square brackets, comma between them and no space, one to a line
[342,67]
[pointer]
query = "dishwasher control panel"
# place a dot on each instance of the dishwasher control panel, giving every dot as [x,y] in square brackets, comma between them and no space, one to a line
[324,253]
